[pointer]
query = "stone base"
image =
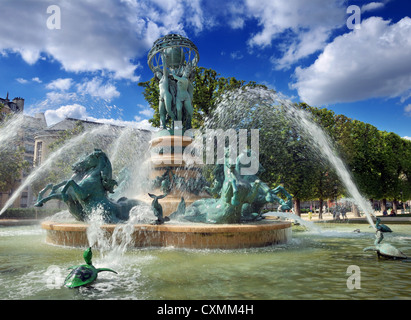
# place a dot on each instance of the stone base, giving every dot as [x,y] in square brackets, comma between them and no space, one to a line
[196,236]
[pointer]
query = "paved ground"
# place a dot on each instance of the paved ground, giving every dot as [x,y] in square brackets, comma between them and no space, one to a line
[327,217]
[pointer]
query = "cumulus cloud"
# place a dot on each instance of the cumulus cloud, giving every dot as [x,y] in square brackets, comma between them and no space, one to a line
[69,111]
[60,84]
[78,111]
[105,36]
[147,112]
[96,88]
[408,138]
[372,6]
[306,24]
[22,80]
[367,63]
[36,79]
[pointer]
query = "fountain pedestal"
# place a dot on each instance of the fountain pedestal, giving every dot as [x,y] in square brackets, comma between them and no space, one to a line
[170,166]
[195,236]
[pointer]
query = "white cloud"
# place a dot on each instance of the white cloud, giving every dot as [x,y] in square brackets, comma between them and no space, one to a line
[307,25]
[78,111]
[367,63]
[104,36]
[96,88]
[408,138]
[236,55]
[54,98]
[69,111]
[147,112]
[22,81]
[407,110]
[60,84]
[372,6]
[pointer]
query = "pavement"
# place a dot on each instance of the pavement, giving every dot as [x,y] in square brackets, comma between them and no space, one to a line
[328,217]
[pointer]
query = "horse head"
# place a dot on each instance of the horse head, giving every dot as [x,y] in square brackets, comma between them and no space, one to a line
[86,163]
[98,163]
[106,171]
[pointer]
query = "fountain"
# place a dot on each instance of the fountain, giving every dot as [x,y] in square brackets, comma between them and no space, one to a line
[178,187]
[180,258]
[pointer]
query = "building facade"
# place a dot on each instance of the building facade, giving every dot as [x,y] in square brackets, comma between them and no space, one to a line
[24,138]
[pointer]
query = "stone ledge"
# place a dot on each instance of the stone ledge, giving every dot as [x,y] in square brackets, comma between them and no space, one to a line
[199,236]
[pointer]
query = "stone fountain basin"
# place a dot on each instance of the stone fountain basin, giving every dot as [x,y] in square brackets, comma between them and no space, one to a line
[195,236]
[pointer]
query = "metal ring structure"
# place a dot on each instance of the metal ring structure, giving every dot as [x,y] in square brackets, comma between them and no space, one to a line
[189,51]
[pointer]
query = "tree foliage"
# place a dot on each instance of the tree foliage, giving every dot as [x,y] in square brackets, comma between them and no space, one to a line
[12,162]
[379,161]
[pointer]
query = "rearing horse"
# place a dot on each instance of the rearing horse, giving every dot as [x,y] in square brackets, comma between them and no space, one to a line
[86,191]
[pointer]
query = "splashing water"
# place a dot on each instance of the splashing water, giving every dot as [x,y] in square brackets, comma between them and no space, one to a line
[250,107]
[71,146]
[288,215]
[112,247]
[10,130]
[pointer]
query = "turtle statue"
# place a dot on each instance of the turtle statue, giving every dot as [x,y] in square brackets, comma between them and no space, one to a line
[158,209]
[386,250]
[85,274]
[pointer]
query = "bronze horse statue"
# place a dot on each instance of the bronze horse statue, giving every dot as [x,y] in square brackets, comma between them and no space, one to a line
[86,191]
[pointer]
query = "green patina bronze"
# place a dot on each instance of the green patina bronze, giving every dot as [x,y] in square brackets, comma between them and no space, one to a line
[85,274]
[240,198]
[172,59]
[158,209]
[384,250]
[170,181]
[87,191]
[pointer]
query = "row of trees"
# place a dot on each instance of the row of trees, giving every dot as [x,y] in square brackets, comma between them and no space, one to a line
[379,161]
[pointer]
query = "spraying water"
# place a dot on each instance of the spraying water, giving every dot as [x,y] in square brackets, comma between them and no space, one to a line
[72,145]
[10,130]
[254,107]
[288,215]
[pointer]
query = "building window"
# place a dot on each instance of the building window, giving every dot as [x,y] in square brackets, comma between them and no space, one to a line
[39,152]
[29,148]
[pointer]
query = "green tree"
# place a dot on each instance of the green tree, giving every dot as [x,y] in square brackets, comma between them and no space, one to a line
[12,164]
[12,161]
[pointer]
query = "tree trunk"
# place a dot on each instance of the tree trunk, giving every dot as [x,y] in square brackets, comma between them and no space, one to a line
[320,214]
[395,205]
[297,209]
[384,204]
[355,211]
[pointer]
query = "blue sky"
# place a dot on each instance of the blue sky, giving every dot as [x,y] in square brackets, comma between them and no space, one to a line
[89,66]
